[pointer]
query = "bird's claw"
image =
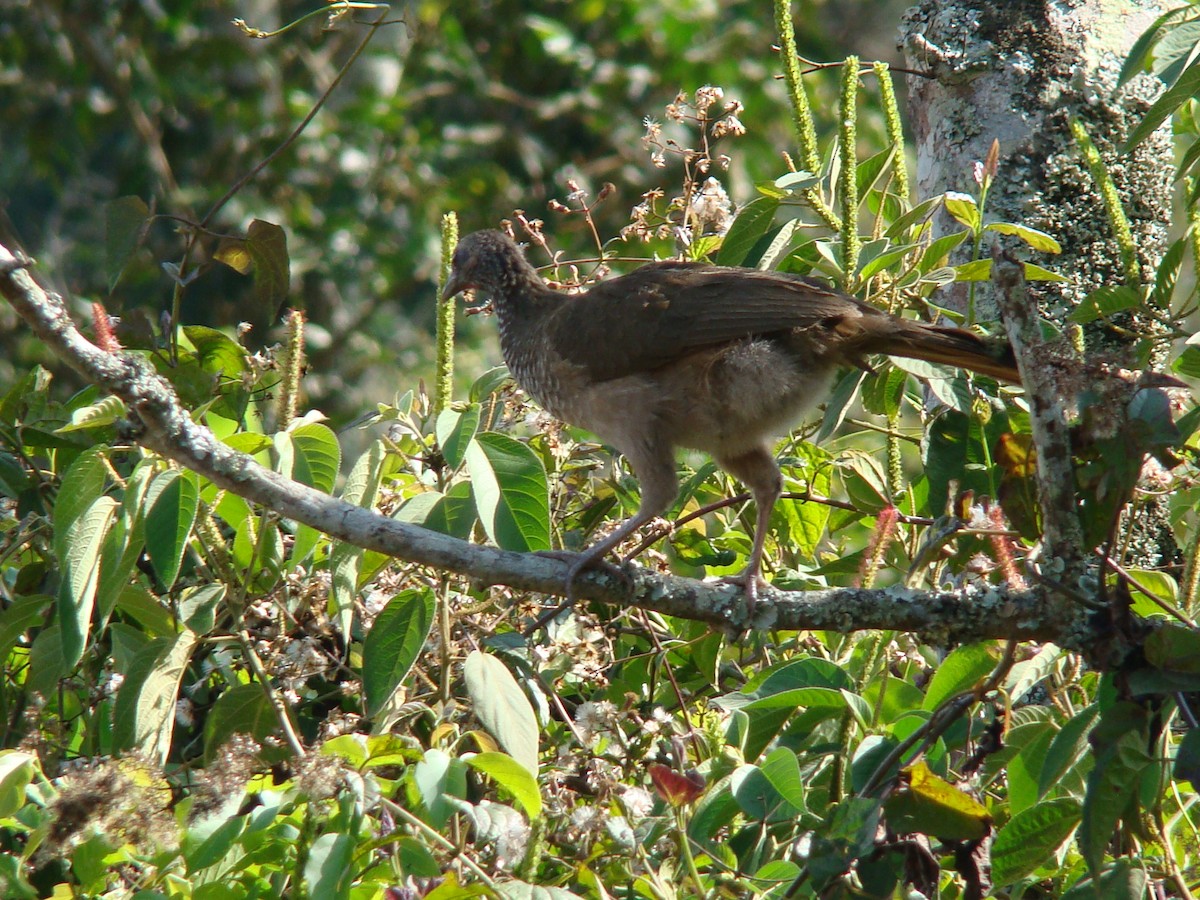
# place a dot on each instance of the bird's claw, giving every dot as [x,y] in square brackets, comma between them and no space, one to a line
[750,582]
[578,562]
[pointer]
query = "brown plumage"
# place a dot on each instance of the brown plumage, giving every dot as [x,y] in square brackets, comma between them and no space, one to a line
[676,354]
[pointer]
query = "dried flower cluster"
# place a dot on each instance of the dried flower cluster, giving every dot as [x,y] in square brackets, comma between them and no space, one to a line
[702,208]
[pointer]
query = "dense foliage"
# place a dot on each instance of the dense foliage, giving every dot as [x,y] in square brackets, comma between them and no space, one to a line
[203,699]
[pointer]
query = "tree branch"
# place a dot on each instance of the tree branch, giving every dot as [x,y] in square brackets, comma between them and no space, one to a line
[975,614]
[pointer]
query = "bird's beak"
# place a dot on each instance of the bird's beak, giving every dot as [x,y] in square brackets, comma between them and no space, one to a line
[454,285]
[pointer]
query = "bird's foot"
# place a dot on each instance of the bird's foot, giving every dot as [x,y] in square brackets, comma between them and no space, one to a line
[750,583]
[579,562]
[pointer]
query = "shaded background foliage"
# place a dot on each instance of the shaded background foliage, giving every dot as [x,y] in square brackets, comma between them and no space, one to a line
[478,107]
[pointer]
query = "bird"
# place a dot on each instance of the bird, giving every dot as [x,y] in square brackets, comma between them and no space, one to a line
[719,359]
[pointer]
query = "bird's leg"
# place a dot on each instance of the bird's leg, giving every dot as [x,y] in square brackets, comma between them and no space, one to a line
[757,470]
[653,463]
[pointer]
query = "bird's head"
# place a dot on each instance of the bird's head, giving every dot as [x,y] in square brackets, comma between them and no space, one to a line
[485,260]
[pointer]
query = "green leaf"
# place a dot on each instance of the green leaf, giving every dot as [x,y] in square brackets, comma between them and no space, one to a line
[752,222]
[267,245]
[511,495]
[309,452]
[329,870]
[440,779]
[937,251]
[173,500]
[502,707]
[1113,783]
[95,415]
[1122,879]
[1188,363]
[1068,751]
[1104,302]
[930,805]
[81,485]
[198,606]
[1183,90]
[362,487]
[960,671]
[513,777]
[311,455]
[241,709]
[964,209]
[1174,647]
[144,714]
[125,222]
[17,769]
[81,574]
[837,407]
[393,644]
[981,270]
[1038,240]
[1031,838]
[1187,758]
[455,428]
[451,513]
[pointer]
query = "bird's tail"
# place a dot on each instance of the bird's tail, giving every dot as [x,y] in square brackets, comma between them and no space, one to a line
[951,347]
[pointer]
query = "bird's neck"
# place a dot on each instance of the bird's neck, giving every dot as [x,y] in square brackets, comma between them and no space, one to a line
[521,302]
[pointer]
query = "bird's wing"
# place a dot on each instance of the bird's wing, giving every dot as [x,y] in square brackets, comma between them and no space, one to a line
[663,311]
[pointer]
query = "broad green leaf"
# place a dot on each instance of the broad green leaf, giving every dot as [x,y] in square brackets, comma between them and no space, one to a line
[964,209]
[1121,879]
[1024,770]
[329,870]
[1183,90]
[1068,751]
[455,428]
[144,714]
[362,487]
[1121,758]
[216,352]
[502,707]
[125,222]
[393,644]
[209,838]
[451,513]
[81,485]
[930,805]
[981,270]
[126,539]
[24,613]
[960,671]
[838,405]
[241,709]
[513,777]
[751,224]
[173,500]
[81,574]
[309,453]
[17,769]
[198,606]
[511,495]
[1038,240]
[869,265]
[440,779]
[1174,647]
[1104,302]
[937,251]
[415,860]
[95,415]
[772,792]
[314,457]
[779,245]
[267,245]
[1031,838]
